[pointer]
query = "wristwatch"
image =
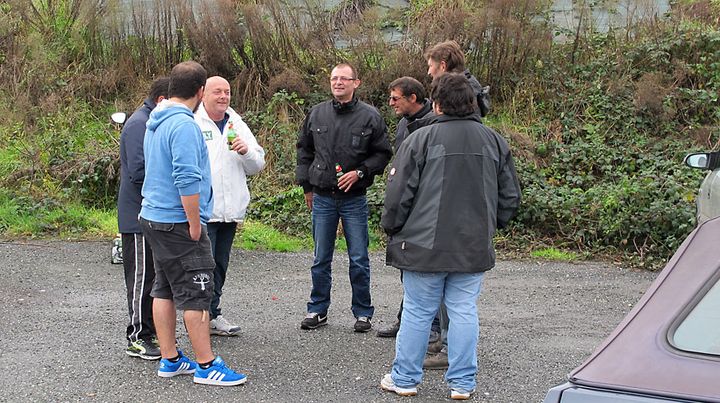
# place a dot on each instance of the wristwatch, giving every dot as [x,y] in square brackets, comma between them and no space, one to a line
[359,173]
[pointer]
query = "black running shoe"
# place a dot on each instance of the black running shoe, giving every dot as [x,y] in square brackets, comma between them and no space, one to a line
[363,325]
[313,320]
[144,349]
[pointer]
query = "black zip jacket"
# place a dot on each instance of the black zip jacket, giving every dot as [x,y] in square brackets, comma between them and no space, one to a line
[353,135]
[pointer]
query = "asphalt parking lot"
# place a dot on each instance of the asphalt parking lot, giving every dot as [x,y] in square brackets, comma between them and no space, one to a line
[63,313]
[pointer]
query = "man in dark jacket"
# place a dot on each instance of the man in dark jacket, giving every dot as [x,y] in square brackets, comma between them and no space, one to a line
[448,57]
[452,183]
[341,147]
[408,99]
[137,255]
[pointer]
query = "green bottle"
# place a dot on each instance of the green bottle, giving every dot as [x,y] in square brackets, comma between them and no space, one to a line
[231,134]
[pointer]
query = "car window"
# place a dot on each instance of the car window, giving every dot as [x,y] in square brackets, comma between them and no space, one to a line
[699,332]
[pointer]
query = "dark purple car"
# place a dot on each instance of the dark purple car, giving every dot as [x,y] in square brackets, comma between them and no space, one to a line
[667,349]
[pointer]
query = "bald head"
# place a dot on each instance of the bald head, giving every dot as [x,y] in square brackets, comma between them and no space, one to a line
[217,97]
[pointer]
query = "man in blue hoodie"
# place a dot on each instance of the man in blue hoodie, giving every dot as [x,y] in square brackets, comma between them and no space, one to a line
[177,204]
[137,254]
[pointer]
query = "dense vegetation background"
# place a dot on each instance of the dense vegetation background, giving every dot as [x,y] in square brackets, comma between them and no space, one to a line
[598,119]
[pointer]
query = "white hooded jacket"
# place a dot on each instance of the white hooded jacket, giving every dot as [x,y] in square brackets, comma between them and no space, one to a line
[229,169]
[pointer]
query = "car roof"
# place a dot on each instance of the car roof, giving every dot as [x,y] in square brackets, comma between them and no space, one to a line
[637,356]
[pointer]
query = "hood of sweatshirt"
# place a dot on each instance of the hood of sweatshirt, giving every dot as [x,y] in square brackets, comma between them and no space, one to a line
[165,110]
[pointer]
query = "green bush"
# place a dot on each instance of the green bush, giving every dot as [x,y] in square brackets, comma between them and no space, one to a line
[598,122]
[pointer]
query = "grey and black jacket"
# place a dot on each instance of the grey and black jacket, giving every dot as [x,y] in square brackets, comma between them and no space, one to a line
[409,124]
[452,183]
[353,135]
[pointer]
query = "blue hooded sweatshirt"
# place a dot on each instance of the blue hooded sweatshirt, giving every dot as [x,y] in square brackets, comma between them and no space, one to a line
[176,164]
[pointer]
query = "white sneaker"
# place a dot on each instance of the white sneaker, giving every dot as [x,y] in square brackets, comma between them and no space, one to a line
[387,384]
[460,394]
[221,327]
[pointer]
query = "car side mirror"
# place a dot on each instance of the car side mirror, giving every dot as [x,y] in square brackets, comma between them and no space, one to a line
[119,117]
[698,160]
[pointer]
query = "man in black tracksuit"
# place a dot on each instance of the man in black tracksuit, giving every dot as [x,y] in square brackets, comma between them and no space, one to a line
[341,147]
[137,255]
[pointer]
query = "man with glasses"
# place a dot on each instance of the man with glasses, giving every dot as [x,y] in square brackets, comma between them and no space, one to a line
[341,147]
[451,186]
[408,99]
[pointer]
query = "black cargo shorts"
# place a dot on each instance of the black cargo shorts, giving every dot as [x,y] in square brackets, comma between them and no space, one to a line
[183,267]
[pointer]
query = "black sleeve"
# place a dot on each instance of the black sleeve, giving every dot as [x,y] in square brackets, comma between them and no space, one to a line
[305,155]
[508,186]
[133,135]
[402,186]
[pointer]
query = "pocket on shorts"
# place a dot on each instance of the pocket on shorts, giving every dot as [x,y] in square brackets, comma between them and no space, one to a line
[199,277]
[160,226]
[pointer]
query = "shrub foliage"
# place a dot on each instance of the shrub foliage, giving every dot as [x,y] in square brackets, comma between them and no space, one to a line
[598,117]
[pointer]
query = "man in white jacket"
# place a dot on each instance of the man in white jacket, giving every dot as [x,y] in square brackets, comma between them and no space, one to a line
[234,155]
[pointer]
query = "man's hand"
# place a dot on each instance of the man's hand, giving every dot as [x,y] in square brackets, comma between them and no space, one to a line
[195,231]
[308,200]
[239,146]
[346,181]
[191,205]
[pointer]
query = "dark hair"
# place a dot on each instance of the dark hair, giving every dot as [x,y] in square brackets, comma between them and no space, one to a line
[450,53]
[159,88]
[186,78]
[346,64]
[454,95]
[408,86]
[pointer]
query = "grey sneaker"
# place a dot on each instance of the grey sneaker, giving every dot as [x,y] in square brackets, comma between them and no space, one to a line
[221,327]
[461,394]
[363,325]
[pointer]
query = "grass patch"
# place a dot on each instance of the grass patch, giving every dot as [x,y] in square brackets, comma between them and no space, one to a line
[554,254]
[255,235]
[21,217]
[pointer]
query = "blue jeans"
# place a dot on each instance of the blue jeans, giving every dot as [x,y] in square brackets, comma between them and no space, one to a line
[423,294]
[221,238]
[354,214]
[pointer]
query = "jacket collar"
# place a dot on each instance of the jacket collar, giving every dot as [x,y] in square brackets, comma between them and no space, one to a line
[426,108]
[448,118]
[344,107]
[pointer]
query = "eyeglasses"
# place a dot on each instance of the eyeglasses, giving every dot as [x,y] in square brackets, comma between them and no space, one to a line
[395,98]
[342,79]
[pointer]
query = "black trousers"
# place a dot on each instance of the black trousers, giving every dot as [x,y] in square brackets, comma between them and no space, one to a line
[139,277]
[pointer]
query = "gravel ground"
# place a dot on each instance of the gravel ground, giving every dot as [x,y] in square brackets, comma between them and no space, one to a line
[63,313]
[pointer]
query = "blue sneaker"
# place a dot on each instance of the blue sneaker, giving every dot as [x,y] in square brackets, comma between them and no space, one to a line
[168,369]
[218,374]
